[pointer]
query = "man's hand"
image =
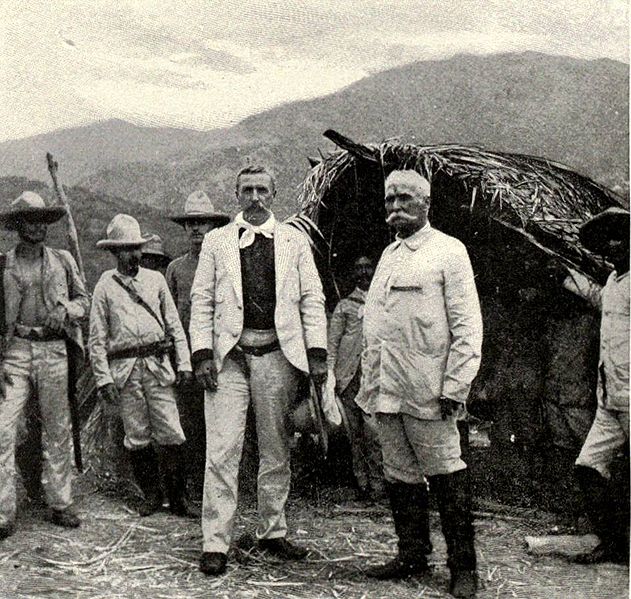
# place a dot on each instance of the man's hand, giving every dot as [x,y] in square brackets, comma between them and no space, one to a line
[56,318]
[318,369]
[183,378]
[108,393]
[206,374]
[448,407]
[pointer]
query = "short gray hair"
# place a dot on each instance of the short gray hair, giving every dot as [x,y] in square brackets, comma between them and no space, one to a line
[409,178]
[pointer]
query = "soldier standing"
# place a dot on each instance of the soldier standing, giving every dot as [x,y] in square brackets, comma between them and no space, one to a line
[44,300]
[134,326]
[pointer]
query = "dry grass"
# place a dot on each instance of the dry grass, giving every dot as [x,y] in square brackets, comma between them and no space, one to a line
[544,201]
[116,554]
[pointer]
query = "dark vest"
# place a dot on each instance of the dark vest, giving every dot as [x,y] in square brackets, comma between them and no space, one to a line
[258,277]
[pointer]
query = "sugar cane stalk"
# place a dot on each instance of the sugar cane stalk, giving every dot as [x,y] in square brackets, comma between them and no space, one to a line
[73,238]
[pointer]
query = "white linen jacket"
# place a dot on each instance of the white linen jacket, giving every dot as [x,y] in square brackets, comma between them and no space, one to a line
[217,296]
[422,327]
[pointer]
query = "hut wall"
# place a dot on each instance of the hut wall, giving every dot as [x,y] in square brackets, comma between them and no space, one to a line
[536,382]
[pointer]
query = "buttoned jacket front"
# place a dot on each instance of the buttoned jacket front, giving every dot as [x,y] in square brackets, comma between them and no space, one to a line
[217,296]
[117,322]
[422,327]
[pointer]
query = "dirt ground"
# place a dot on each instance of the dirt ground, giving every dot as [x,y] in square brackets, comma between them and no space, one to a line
[116,554]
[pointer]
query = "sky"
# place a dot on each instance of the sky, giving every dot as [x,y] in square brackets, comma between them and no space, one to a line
[203,64]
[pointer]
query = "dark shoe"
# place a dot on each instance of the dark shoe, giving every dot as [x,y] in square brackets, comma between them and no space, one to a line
[608,518]
[283,549]
[213,564]
[151,503]
[464,584]
[603,552]
[362,494]
[66,518]
[7,530]
[185,508]
[397,569]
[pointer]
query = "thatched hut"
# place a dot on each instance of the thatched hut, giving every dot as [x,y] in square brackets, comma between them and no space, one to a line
[518,216]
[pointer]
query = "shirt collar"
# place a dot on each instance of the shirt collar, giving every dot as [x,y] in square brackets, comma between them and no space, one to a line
[127,278]
[413,242]
[266,227]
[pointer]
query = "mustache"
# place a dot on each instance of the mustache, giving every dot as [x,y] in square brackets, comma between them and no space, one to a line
[401,216]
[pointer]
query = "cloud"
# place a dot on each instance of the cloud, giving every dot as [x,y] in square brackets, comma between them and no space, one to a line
[205,64]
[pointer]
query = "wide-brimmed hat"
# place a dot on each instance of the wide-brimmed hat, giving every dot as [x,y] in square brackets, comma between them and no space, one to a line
[612,223]
[154,246]
[199,207]
[123,230]
[30,205]
[307,417]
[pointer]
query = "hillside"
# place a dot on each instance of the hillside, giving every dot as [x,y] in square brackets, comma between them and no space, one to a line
[91,212]
[107,144]
[569,110]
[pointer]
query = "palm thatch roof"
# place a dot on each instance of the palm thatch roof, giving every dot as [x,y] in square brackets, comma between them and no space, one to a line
[543,201]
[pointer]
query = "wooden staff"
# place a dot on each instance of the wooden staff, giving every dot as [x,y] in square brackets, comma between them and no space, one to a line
[74,352]
[73,238]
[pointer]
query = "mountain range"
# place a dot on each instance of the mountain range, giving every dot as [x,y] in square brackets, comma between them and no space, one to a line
[91,212]
[569,110]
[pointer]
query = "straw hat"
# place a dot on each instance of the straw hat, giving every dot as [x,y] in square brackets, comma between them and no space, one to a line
[123,230]
[307,417]
[154,246]
[612,223]
[31,206]
[199,207]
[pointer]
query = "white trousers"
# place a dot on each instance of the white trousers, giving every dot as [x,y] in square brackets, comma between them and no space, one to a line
[269,381]
[42,367]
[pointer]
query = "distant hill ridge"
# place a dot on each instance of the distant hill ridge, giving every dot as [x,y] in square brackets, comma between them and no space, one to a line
[569,110]
[92,212]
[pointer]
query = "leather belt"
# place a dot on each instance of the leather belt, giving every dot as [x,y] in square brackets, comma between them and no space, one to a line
[37,333]
[158,349]
[259,350]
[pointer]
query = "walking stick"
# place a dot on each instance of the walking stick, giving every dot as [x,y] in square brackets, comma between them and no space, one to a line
[74,353]
[73,238]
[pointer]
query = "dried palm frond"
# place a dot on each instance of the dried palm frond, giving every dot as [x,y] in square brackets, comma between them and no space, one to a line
[543,200]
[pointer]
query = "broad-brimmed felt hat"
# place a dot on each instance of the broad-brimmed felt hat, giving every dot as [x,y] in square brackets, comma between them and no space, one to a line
[199,207]
[30,206]
[122,231]
[612,223]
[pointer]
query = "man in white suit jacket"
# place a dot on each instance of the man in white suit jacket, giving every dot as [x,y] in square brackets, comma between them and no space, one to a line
[257,321]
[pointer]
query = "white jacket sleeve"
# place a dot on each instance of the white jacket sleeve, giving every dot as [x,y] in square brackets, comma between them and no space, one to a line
[203,299]
[465,325]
